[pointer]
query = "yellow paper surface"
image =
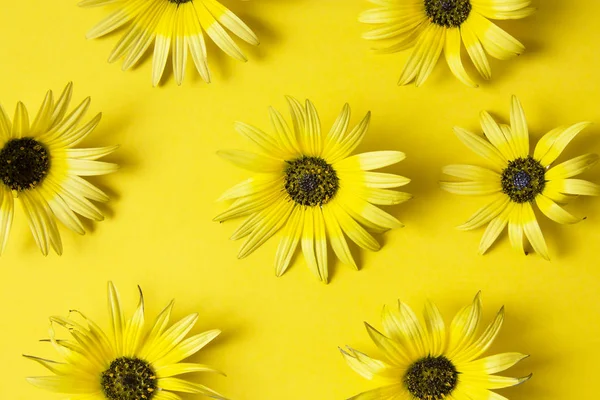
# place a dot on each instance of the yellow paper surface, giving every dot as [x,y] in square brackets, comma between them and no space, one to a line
[281,334]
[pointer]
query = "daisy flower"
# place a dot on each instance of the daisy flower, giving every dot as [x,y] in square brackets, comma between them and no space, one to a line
[432,26]
[172,25]
[432,361]
[40,167]
[309,187]
[135,362]
[517,180]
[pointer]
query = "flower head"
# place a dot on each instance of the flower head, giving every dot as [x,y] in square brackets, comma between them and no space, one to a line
[432,26]
[134,362]
[173,26]
[517,179]
[309,187]
[435,362]
[42,169]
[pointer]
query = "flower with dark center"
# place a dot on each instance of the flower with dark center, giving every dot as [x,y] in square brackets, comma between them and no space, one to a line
[431,378]
[140,361]
[448,13]
[520,179]
[24,163]
[150,23]
[311,187]
[129,378]
[41,168]
[523,179]
[432,360]
[432,27]
[310,181]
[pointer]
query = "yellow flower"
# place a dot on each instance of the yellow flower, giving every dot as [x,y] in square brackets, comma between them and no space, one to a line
[40,167]
[430,26]
[517,179]
[136,362]
[433,362]
[171,25]
[309,187]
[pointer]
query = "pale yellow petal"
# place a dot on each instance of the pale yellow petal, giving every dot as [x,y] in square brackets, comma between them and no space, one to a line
[495,228]
[515,228]
[436,329]
[252,161]
[392,351]
[385,392]
[369,161]
[452,52]
[471,173]
[472,188]
[290,236]
[180,385]
[492,364]
[495,40]
[533,231]
[483,148]
[572,167]
[464,327]
[552,144]
[554,211]
[519,128]
[475,50]
[187,348]
[486,213]
[337,238]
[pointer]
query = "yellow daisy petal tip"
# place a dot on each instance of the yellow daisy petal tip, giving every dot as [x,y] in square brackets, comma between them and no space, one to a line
[524,379]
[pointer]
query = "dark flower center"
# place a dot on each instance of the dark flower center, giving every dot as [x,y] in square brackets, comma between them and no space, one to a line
[129,378]
[24,163]
[523,179]
[448,13]
[431,378]
[178,2]
[310,181]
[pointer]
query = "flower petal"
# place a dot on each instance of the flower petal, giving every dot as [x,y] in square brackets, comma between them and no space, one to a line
[495,40]
[463,328]
[486,213]
[533,231]
[252,161]
[492,364]
[573,167]
[481,147]
[495,228]
[452,53]
[475,50]
[554,211]
[552,144]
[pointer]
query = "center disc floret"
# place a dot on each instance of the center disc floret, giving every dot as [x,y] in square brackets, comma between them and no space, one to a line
[310,181]
[523,179]
[448,13]
[24,163]
[129,378]
[431,378]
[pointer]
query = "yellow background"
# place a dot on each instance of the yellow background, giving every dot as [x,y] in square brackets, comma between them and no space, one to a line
[281,334]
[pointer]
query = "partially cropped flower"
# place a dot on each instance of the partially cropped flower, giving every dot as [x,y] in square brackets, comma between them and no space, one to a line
[175,26]
[432,26]
[136,361]
[433,361]
[40,167]
[517,180]
[309,187]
